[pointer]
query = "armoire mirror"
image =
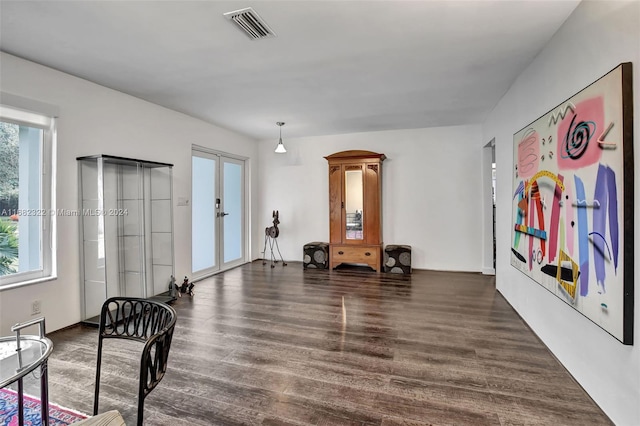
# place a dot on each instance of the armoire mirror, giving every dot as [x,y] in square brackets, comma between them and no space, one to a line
[353,204]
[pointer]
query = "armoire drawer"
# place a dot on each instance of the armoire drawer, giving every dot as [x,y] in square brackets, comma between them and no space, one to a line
[355,254]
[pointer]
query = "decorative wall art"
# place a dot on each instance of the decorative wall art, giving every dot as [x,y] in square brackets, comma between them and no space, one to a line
[572,202]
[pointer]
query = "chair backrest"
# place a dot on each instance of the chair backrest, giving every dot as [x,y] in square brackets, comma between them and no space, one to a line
[145,321]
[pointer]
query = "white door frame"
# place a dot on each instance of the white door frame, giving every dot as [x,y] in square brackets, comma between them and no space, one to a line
[219,157]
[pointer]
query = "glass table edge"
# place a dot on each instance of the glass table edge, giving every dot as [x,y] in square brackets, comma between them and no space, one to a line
[48,344]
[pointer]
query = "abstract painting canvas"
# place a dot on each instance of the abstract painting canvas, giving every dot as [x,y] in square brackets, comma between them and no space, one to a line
[572,204]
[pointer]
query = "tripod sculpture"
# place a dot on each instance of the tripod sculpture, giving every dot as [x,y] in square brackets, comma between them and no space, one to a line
[271,237]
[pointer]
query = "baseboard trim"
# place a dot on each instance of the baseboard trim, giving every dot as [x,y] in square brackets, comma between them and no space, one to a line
[488,271]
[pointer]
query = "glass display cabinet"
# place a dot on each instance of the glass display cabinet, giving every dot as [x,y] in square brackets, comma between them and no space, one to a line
[355,208]
[126,230]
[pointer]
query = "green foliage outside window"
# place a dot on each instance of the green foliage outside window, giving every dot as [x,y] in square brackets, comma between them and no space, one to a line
[8,247]
[9,153]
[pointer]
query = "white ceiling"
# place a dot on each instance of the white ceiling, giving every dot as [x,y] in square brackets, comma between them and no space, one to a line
[334,67]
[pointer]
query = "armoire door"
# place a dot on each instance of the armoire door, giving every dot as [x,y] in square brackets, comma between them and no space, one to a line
[335,203]
[372,203]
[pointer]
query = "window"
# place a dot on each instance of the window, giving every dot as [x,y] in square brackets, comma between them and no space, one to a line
[27,217]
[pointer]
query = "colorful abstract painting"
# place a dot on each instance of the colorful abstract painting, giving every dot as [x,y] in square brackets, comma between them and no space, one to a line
[572,202]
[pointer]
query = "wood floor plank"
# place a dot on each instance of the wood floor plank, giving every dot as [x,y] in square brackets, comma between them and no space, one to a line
[283,346]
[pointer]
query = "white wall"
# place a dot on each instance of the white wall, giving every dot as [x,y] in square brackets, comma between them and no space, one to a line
[97,120]
[431,192]
[594,40]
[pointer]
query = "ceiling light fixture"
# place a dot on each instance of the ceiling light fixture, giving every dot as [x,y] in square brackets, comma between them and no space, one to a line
[280,149]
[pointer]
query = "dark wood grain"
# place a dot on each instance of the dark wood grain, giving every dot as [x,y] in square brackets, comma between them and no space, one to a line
[284,346]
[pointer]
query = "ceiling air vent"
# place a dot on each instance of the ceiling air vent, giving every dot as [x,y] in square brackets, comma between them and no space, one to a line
[250,23]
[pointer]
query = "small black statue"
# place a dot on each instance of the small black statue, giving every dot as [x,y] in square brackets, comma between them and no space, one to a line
[173,287]
[186,287]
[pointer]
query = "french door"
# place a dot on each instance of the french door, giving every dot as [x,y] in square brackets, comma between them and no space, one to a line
[217,213]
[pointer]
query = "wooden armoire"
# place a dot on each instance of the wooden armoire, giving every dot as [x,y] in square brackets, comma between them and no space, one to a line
[355,208]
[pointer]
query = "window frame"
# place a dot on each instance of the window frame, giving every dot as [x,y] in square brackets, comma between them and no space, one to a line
[48,241]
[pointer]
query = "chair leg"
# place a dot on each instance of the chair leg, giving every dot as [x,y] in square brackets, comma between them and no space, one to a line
[97,387]
[142,387]
[140,410]
[141,391]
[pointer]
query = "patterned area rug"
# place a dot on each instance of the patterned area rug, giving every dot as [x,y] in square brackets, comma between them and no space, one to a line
[58,416]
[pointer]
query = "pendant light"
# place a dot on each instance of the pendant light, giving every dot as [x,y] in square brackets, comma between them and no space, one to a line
[280,149]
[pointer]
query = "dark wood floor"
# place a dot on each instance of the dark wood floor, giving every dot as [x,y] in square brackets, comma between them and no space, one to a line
[285,346]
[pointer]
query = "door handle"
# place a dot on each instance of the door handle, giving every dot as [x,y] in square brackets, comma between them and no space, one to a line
[224,214]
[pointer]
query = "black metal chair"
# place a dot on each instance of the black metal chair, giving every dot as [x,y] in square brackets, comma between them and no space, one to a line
[141,320]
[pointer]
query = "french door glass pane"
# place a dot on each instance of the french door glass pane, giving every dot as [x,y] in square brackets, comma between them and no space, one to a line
[203,214]
[233,206]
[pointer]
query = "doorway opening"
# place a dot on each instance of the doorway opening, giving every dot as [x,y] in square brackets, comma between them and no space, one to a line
[489,208]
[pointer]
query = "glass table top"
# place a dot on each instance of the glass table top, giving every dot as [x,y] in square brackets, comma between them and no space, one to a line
[17,364]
